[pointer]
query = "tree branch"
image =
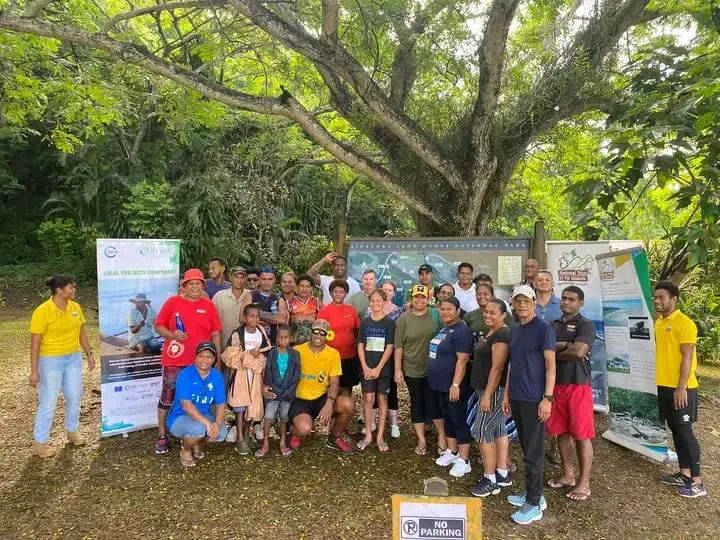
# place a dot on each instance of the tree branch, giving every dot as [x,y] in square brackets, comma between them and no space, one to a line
[338,60]
[330,10]
[158,8]
[285,105]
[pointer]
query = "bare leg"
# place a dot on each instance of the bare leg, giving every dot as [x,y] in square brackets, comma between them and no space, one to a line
[265,448]
[565,443]
[440,427]
[420,435]
[382,414]
[283,436]
[502,446]
[488,451]
[585,459]
[463,450]
[368,400]
[344,410]
[162,418]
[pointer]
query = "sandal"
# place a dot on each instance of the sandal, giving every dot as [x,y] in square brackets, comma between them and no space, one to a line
[578,495]
[187,463]
[261,453]
[362,444]
[198,453]
[420,450]
[557,484]
[383,447]
[286,452]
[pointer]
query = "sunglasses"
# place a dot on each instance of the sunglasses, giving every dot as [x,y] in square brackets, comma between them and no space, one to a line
[319,332]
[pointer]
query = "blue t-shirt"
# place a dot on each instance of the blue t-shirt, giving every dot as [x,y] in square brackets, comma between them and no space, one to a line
[551,311]
[203,393]
[443,355]
[212,288]
[283,359]
[528,343]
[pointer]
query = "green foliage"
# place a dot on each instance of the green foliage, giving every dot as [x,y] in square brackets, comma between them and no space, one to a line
[149,210]
[636,404]
[69,245]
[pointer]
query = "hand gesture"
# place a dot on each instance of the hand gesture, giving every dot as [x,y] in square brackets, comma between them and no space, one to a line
[330,257]
[213,430]
[267,392]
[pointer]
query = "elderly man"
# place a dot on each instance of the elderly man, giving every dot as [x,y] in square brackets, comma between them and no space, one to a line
[547,305]
[317,397]
[140,322]
[184,321]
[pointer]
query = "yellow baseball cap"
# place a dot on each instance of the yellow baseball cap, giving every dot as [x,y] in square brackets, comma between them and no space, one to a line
[419,290]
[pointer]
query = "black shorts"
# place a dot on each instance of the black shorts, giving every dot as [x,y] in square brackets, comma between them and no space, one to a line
[350,372]
[381,385]
[307,406]
[669,414]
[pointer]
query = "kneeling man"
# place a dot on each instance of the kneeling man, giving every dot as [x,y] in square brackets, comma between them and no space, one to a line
[316,397]
[197,389]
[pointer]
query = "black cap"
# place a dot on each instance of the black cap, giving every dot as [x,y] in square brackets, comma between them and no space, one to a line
[426,267]
[206,346]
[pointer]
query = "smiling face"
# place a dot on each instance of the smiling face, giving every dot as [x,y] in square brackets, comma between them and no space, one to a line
[419,302]
[663,302]
[446,291]
[338,295]
[215,270]
[531,269]
[376,302]
[369,281]
[204,360]
[251,282]
[389,290]
[492,316]
[465,277]
[194,289]
[448,313]
[267,281]
[523,306]
[238,281]
[318,337]
[339,267]
[67,292]
[482,295]
[287,284]
[304,288]
[543,282]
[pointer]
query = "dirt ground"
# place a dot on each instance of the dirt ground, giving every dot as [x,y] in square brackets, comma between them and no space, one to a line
[118,488]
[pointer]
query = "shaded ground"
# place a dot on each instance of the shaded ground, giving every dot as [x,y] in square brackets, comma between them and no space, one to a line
[118,488]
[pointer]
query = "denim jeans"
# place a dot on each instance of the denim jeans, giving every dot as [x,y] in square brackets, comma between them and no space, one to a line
[58,372]
[185,427]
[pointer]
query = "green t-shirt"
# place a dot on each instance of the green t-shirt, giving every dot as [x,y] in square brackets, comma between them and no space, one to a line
[475,321]
[361,302]
[413,333]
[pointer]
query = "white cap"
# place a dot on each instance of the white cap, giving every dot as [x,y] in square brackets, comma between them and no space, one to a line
[524,290]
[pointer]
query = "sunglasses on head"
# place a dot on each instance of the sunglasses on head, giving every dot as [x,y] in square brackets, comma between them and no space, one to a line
[319,332]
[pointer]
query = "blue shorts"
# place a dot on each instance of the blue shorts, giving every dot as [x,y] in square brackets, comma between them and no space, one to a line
[185,427]
[277,410]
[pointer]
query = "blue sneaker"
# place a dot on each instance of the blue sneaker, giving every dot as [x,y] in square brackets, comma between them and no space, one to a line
[527,514]
[519,500]
[503,481]
[692,490]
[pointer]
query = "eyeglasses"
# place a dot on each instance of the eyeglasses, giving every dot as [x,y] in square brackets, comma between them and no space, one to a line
[319,332]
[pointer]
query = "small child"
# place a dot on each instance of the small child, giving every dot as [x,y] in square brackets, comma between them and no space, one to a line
[244,355]
[282,373]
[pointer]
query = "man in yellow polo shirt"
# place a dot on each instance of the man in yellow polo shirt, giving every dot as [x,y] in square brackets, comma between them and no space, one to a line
[317,395]
[675,366]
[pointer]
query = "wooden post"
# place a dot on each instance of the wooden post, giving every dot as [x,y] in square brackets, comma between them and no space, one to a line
[340,233]
[538,247]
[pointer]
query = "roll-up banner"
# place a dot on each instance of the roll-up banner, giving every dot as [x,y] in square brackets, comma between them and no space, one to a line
[135,277]
[630,348]
[574,263]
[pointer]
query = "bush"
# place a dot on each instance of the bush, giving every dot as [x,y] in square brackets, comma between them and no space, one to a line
[150,211]
[69,247]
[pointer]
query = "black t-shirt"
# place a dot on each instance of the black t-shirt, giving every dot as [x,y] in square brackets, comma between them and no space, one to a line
[482,359]
[577,329]
[375,336]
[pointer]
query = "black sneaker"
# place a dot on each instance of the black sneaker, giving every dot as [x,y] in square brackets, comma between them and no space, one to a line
[503,481]
[677,479]
[485,487]
[161,445]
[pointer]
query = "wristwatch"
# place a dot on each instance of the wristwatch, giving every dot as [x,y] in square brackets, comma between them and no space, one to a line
[455,385]
[548,397]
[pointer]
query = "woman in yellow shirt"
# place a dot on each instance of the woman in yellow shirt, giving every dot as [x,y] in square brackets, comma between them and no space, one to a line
[57,335]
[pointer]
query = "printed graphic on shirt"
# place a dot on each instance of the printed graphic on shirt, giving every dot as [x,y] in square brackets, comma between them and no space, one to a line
[435,342]
[200,395]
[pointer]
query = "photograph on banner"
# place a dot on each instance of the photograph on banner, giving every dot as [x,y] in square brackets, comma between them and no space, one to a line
[630,349]
[573,263]
[398,260]
[135,278]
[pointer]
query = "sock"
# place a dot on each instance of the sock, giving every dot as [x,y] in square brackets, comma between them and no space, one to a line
[502,472]
[491,477]
[393,417]
[454,453]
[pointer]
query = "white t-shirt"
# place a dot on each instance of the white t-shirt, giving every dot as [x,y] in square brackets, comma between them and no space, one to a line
[325,282]
[467,299]
[252,341]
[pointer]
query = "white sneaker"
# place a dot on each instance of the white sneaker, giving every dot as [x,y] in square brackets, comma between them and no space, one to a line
[460,468]
[395,431]
[446,458]
[231,434]
[259,432]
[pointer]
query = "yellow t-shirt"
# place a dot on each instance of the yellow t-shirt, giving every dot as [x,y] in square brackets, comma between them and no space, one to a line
[60,329]
[671,332]
[316,370]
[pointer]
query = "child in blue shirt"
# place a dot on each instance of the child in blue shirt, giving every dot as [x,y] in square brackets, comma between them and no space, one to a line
[197,389]
[282,373]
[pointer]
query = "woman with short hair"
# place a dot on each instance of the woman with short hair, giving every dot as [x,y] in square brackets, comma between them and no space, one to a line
[57,336]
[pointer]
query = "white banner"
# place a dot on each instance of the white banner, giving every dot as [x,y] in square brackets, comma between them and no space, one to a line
[574,263]
[135,277]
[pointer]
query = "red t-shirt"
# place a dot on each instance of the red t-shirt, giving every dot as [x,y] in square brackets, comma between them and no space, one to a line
[200,319]
[344,322]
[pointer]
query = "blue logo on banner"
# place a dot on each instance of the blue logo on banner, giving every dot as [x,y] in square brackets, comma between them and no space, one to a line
[117,388]
[110,252]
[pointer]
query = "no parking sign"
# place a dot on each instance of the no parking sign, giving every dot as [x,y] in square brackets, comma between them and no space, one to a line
[418,517]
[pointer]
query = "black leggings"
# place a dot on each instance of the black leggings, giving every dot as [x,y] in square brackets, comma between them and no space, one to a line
[687,447]
[455,414]
[391,397]
[423,406]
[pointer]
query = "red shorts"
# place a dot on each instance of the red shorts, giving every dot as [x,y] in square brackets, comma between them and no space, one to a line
[572,412]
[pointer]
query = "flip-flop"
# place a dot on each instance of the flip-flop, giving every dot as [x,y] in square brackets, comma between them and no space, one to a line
[286,452]
[260,453]
[198,454]
[420,450]
[362,444]
[578,495]
[187,463]
[557,484]
[383,447]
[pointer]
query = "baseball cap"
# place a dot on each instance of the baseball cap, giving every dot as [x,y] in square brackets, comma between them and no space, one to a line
[192,273]
[419,290]
[321,324]
[426,267]
[238,270]
[206,346]
[524,290]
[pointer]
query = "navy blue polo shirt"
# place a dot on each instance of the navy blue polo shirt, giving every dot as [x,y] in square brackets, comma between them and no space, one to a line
[528,343]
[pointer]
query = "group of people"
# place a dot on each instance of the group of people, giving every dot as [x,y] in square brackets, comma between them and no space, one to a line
[473,365]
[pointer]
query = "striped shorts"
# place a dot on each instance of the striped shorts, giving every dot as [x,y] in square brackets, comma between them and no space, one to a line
[489,426]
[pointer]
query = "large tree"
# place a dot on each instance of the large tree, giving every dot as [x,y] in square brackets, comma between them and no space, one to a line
[436,100]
